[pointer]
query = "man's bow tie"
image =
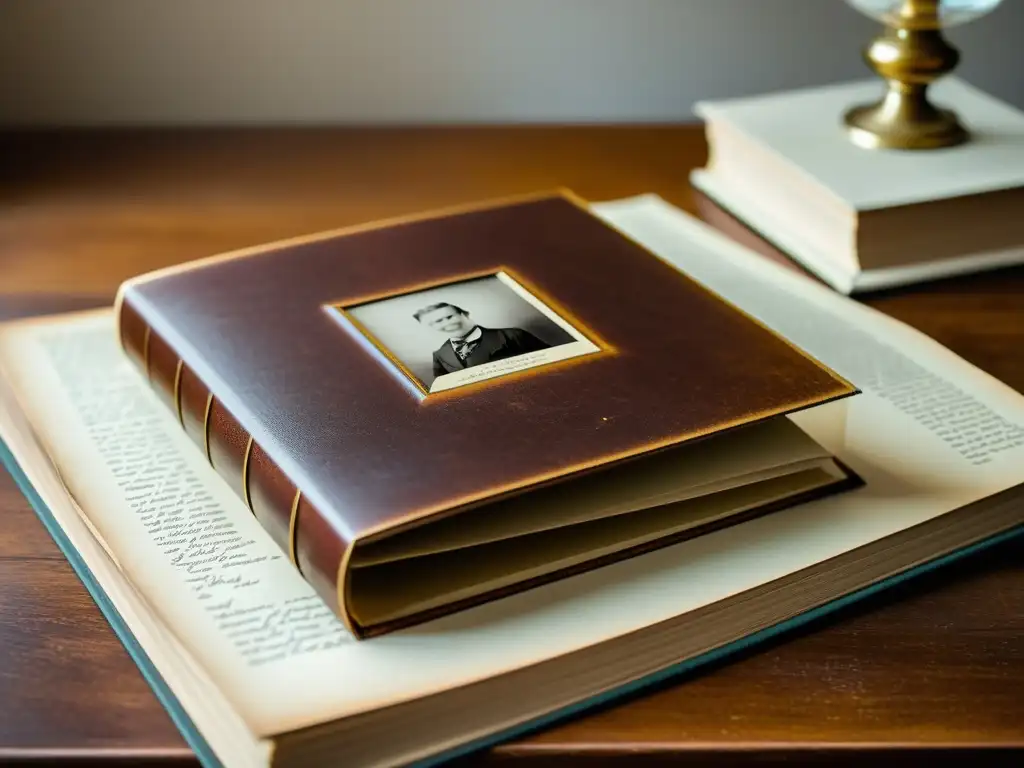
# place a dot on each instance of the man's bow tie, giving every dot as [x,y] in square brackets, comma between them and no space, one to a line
[465,348]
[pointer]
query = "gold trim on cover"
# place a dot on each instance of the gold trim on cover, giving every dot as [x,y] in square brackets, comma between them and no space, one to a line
[206,427]
[342,588]
[177,391]
[293,529]
[145,349]
[245,474]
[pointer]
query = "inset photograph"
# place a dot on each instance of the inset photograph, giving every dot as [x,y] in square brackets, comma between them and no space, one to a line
[456,334]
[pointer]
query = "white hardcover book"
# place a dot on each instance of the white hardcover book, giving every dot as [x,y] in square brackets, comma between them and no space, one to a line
[863,219]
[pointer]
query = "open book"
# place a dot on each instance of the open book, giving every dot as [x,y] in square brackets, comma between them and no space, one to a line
[259,671]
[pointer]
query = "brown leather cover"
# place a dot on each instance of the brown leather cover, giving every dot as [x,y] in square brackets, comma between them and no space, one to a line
[327,446]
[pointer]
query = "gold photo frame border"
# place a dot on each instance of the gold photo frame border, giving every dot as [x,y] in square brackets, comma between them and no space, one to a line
[340,308]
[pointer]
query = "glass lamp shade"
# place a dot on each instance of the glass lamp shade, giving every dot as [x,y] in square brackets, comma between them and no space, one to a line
[950,13]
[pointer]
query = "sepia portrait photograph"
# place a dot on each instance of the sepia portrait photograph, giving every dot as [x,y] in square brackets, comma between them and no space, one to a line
[467,331]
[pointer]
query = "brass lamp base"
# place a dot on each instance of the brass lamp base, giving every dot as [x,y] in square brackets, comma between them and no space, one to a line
[910,54]
[900,121]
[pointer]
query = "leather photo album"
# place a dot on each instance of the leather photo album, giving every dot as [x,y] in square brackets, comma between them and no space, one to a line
[430,412]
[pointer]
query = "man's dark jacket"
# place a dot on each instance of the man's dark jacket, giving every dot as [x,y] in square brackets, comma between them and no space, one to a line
[494,344]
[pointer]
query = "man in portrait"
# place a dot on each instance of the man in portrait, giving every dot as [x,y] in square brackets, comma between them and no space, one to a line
[470,344]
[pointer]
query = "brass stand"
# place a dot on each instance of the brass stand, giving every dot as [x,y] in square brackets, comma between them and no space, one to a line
[910,54]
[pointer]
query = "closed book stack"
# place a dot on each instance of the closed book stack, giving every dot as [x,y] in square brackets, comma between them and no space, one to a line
[863,219]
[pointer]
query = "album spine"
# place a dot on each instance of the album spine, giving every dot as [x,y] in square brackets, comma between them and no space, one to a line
[274,500]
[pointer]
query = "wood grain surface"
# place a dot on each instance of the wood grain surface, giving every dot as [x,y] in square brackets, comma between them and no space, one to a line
[931,672]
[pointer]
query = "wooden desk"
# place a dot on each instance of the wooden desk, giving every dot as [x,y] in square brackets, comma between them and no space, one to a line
[933,669]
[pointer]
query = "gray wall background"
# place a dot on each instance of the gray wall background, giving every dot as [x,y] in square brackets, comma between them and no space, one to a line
[91,62]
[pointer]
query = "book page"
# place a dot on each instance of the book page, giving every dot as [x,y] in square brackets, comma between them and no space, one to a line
[974,422]
[194,524]
[747,455]
[435,579]
[225,733]
[163,516]
[917,463]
